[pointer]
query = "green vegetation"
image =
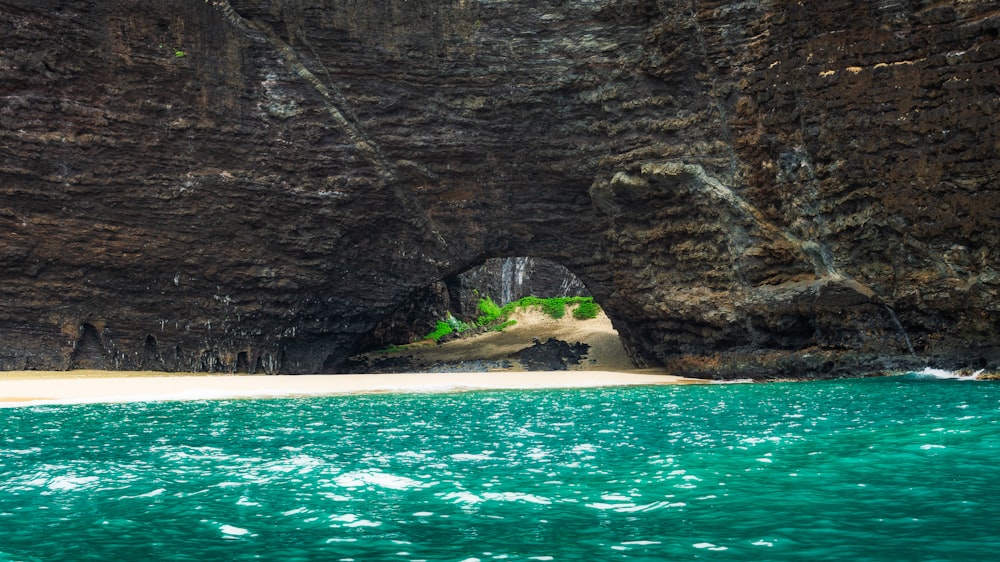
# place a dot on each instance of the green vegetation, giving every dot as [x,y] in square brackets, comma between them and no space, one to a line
[489,312]
[500,327]
[586,310]
[179,54]
[494,317]
[441,329]
[556,306]
[456,324]
[447,326]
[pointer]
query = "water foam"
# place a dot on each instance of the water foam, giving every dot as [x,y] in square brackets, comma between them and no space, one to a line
[933,373]
[375,478]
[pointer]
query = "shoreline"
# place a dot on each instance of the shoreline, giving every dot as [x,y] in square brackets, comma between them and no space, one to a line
[29,388]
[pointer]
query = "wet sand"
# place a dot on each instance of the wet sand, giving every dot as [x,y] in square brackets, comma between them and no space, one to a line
[31,387]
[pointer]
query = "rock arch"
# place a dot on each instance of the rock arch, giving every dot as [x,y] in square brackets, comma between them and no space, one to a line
[503,280]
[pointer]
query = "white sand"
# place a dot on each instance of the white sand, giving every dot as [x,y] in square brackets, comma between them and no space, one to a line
[28,387]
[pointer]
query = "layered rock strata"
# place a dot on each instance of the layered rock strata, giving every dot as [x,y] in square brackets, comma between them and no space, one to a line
[747,187]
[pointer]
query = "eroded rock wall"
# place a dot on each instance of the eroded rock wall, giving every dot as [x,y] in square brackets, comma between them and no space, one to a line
[746,187]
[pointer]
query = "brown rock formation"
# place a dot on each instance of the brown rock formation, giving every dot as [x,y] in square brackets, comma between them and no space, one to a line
[746,187]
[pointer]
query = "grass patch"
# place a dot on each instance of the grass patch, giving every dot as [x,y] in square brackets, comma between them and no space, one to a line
[441,329]
[447,326]
[500,327]
[456,324]
[489,312]
[556,306]
[586,310]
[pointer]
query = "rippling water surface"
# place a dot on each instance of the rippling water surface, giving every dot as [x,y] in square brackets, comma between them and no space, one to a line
[879,469]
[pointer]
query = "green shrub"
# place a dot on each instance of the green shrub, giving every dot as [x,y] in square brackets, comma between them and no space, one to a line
[489,312]
[500,327]
[496,317]
[441,329]
[586,310]
[449,325]
[456,324]
[524,302]
[554,307]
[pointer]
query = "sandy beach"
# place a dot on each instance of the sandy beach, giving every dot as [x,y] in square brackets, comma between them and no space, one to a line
[29,387]
[606,364]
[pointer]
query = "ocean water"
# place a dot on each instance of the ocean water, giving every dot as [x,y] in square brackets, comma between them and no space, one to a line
[901,468]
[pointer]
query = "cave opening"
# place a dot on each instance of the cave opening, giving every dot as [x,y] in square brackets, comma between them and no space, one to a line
[242,362]
[88,350]
[494,315]
[506,280]
[151,354]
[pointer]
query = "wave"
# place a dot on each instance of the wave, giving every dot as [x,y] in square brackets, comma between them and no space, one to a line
[933,373]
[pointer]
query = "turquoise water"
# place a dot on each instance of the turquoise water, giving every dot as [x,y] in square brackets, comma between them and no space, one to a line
[878,469]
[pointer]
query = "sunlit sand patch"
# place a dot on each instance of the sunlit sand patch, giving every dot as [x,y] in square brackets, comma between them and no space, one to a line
[605,353]
[112,387]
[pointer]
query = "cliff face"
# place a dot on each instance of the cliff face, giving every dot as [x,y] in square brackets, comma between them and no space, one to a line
[760,186]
